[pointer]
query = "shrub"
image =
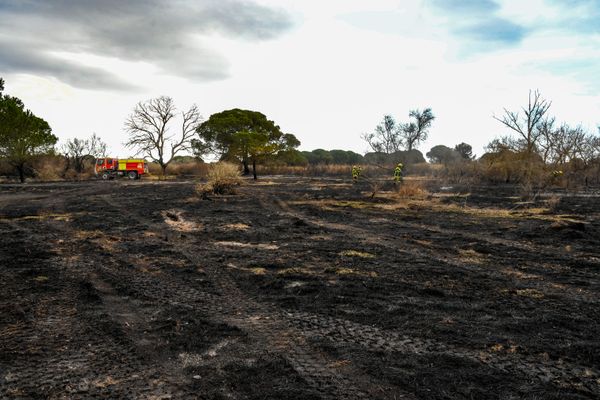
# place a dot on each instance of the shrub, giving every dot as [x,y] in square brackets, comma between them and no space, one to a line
[223,178]
[48,168]
[189,168]
[410,189]
[181,169]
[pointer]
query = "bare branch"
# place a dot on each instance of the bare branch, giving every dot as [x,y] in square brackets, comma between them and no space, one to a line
[527,125]
[148,128]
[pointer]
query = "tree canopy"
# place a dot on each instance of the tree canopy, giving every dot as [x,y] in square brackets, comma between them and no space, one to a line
[417,131]
[405,157]
[465,150]
[244,135]
[391,137]
[441,154]
[22,134]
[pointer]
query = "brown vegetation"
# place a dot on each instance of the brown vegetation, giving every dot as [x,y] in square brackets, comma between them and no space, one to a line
[222,178]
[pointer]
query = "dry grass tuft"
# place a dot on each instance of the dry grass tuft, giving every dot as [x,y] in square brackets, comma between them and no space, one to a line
[223,178]
[552,203]
[350,271]
[107,381]
[410,189]
[471,256]
[258,271]
[239,227]
[354,253]
[531,293]
[295,271]
[261,246]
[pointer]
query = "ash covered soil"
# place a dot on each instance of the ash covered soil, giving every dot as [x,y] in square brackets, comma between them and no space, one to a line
[297,289]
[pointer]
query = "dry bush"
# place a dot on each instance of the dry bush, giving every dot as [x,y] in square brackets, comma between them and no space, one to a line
[72,175]
[422,169]
[154,169]
[552,203]
[191,169]
[410,189]
[308,170]
[461,172]
[49,168]
[331,170]
[223,178]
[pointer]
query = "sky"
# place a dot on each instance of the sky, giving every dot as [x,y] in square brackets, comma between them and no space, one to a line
[326,71]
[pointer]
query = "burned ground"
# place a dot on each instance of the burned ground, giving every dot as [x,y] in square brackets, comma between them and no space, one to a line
[297,289]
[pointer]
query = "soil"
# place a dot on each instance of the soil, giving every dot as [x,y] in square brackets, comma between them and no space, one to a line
[297,289]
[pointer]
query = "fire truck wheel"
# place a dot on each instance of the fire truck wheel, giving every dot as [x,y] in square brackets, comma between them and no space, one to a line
[105,176]
[132,175]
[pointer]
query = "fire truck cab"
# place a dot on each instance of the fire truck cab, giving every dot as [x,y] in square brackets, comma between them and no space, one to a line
[110,168]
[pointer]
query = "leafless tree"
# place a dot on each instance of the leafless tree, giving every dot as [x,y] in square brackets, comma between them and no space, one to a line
[526,125]
[563,144]
[387,136]
[415,132]
[590,149]
[78,150]
[149,130]
[504,143]
[547,132]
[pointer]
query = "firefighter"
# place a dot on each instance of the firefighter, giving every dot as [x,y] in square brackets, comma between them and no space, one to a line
[356,173]
[398,172]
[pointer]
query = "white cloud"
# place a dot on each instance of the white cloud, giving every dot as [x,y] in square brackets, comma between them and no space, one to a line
[329,79]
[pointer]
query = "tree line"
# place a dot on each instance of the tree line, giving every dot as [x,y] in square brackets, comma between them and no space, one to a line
[157,130]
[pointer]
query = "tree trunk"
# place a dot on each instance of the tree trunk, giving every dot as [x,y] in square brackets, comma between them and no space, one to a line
[246,169]
[79,166]
[21,170]
[163,168]
[254,169]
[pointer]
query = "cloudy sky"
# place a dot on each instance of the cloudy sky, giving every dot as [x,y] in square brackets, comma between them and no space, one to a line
[326,71]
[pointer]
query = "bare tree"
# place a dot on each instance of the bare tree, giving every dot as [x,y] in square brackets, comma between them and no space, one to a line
[591,149]
[527,125]
[387,136]
[149,132]
[563,144]
[547,131]
[417,131]
[78,150]
[505,144]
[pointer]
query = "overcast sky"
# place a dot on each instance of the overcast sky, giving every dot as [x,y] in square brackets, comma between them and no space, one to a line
[326,71]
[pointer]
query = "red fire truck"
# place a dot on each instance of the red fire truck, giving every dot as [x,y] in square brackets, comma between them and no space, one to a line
[110,168]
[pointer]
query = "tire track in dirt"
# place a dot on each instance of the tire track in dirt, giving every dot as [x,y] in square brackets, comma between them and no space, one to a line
[265,324]
[378,340]
[391,242]
[282,331]
[60,350]
[101,367]
[272,327]
[540,249]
